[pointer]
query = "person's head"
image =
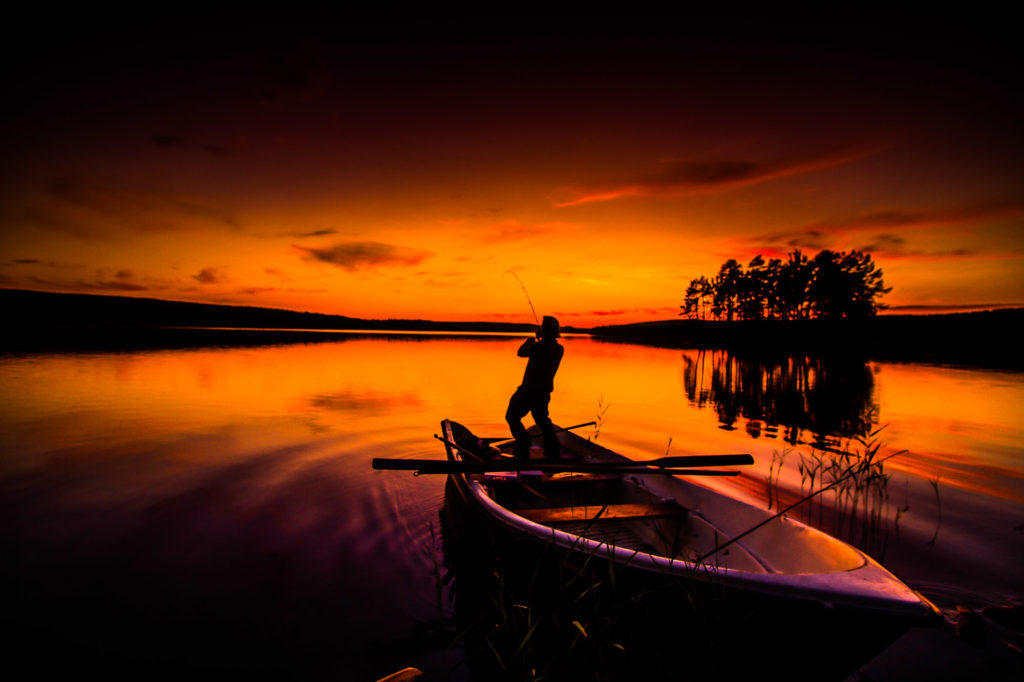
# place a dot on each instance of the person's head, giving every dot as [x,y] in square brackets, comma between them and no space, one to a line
[549,328]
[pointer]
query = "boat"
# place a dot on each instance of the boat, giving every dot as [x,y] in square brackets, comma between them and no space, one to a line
[801,582]
[670,525]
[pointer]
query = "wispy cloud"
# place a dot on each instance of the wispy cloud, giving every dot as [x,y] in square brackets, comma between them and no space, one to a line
[140,207]
[323,232]
[822,232]
[90,208]
[256,291]
[120,281]
[165,139]
[365,254]
[309,234]
[676,177]
[923,218]
[952,308]
[885,231]
[513,231]
[616,312]
[112,285]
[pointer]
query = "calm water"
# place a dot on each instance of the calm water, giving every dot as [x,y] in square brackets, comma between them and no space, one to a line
[189,510]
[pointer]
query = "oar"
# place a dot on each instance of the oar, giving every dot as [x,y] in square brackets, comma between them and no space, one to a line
[691,461]
[440,466]
[675,462]
[491,441]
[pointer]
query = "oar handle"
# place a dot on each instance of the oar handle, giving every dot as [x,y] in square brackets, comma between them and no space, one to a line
[441,466]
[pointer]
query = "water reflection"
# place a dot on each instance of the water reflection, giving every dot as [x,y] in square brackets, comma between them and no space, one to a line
[803,399]
[229,490]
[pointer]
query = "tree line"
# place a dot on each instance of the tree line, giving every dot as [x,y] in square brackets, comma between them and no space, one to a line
[829,285]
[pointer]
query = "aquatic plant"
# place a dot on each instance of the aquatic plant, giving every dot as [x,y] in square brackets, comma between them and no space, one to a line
[602,409]
[938,515]
[858,508]
[544,612]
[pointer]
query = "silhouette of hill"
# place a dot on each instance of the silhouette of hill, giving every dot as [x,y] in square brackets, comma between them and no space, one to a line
[42,320]
[984,338]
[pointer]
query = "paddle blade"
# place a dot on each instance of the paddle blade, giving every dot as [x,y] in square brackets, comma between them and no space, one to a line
[426,466]
[701,461]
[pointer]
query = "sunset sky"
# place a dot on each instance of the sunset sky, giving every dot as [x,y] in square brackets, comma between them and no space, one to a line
[403,166]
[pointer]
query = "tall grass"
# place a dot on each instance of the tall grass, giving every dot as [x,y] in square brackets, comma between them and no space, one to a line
[858,509]
[536,611]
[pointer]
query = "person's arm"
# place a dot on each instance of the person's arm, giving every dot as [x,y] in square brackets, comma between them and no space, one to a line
[557,359]
[527,348]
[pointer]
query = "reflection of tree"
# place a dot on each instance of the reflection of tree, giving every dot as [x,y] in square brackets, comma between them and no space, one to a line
[824,397]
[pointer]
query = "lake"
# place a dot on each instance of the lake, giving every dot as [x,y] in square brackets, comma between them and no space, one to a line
[213,510]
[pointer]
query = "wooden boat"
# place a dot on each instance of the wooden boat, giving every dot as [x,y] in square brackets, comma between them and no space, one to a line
[669,525]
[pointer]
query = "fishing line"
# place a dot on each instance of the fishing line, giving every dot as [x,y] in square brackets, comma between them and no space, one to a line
[528,300]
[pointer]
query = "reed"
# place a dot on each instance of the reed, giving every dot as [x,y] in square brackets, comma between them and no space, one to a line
[530,611]
[858,509]
[602,409]
[938,514]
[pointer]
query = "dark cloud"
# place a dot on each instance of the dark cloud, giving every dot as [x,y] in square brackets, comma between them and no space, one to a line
[167,140]
[824,234]
[952,308]
[294,72]
[125,206]
[175,140]
[366,254]
[100,285]
[885,241]
[324,232]
[903,218]
[675,177]
[208,276]
[35,261]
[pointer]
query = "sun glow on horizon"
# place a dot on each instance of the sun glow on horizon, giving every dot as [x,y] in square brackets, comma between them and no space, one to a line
[337,175]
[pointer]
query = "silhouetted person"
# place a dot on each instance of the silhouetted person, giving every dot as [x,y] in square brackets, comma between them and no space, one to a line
[534,394]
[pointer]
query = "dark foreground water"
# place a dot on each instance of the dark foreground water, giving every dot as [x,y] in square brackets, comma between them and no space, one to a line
[212,512]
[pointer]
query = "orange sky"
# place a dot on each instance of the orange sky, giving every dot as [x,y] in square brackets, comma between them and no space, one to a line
[374,168]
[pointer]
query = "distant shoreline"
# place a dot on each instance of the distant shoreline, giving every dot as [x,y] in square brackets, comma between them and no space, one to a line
[983,338]
[44,321]
[55,322]
[46,309]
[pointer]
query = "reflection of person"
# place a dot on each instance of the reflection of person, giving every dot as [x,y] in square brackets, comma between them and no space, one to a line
[534,394]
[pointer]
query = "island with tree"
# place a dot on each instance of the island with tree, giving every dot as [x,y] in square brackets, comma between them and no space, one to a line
[829,286]
[825,304]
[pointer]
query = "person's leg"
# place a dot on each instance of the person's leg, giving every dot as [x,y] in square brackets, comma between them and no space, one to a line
[539,410]
[518,406]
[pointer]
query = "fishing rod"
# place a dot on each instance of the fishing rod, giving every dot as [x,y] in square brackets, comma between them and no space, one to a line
[528,299]
[856,470]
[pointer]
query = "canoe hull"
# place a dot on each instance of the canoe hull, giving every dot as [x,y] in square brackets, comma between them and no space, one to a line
[687,628]
[784,558]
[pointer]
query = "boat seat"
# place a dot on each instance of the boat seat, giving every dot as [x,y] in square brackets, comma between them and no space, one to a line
[596,512]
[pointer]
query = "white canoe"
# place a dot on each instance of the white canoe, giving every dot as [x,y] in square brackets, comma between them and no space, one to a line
[661,524]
